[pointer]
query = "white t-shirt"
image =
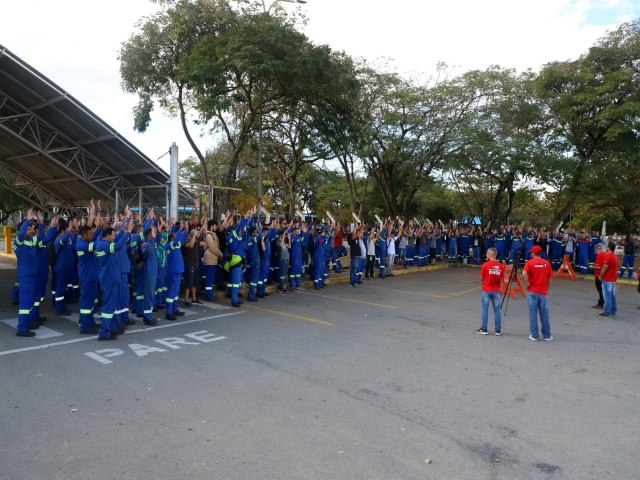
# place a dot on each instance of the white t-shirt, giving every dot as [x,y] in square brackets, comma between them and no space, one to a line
[391,245]
[371,246]
[363,250]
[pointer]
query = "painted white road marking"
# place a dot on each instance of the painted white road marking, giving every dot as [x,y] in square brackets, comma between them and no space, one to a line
[128,332]
[103,356]
[41,334]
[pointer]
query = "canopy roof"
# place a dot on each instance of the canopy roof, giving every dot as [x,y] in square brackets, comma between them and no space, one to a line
[55,152]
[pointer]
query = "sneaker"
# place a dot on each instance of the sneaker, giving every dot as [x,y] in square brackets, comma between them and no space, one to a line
[483,331]
[186,304]
[170,317]
[497,333]
[531,337]
[548,339]
[197,302]
[178,313]
[301,289]
[603,314]
[282,292]
[598,307]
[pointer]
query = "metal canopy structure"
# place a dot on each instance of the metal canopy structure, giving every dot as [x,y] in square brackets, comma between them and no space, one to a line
[55,152]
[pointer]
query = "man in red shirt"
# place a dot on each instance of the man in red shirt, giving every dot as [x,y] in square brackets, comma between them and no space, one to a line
[337,250]
[608,276]
[491,274]
[597,269]
[537,274]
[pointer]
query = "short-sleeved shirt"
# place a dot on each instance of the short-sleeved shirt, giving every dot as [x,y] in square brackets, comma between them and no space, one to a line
[597,267]
[611,275]
[538,274]
[491,274]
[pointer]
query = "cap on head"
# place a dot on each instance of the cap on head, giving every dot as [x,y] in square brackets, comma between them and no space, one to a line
[535,249]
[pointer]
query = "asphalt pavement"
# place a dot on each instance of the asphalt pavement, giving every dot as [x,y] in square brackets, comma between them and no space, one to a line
[385,381]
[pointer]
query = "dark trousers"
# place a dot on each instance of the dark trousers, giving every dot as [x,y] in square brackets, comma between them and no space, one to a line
[371,263]
[599,288]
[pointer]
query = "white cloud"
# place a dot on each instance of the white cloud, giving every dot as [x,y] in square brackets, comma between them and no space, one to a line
[76,42]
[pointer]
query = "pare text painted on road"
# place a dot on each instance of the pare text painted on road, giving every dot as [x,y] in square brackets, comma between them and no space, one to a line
[159,345]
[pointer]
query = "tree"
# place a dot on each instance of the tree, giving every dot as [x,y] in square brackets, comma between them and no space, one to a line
[591,102]
[501,141]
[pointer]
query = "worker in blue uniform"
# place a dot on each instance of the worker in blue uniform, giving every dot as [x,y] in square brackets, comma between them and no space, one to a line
[452,243]
[556,249]
[121,318]
[137,268]
[43,267]
[175,268]
[253,261]
[268,235]
[465,245]
[318,257]
[88,277]
[582,250]
[295,271]
[500,241]
[515,252]
[237,250]
[109,274]
[161,254]
[328,253]
[149,273]
[27,255]
[529,241]
[382,251]
[64,246]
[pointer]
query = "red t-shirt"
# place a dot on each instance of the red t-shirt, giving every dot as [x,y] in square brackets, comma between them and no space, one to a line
[491,274]
[538,274]
[611,274]
[597,268]
[337,239]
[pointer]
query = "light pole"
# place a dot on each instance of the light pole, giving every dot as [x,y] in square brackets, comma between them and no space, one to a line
[267,11]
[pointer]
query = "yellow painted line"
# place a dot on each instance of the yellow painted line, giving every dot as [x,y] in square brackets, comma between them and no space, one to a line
[464,292]
[409,292]
[355,300]
[291,315]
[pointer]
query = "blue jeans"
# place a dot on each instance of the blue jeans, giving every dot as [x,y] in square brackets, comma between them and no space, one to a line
[609,294]
[353,271]
[494,298]
[538,303]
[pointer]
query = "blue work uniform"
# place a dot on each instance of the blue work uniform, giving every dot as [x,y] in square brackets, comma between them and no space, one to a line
[109,274]
[175,269]
[253,265]
[27,255]
[149,277]
[88,275]
[237,250]
[65,264]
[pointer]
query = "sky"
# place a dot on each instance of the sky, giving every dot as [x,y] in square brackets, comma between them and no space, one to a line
[76,43]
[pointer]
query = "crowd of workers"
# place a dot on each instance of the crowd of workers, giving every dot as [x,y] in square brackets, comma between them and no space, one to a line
[144,263]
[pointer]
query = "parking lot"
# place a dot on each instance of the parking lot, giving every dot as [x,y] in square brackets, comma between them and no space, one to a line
[386,381]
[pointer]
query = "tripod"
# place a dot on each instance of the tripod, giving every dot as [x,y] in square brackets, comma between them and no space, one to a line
[512,276]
